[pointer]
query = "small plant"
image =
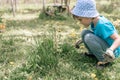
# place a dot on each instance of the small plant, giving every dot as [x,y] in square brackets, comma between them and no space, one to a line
[0,20]
[43,58]
[6,46]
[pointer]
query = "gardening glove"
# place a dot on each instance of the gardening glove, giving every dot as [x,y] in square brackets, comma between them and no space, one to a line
[109,55]
[78,43]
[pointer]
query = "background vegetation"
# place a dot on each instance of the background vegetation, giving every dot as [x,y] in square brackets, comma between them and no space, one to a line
[37,47]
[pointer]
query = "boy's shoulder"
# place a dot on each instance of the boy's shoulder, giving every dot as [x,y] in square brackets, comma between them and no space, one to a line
[103,20]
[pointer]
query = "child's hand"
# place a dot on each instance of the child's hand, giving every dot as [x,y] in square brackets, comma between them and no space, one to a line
[78,43]
[109,55]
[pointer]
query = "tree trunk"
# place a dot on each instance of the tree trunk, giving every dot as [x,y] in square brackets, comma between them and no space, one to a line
[66,3]
[54,2]
[44,5]
[7,1]
[68,6]
[15,5]
[13,8]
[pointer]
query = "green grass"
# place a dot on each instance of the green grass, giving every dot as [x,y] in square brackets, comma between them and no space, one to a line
[43,49]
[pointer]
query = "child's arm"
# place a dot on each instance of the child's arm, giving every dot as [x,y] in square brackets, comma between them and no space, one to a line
[109,55]
[116,42]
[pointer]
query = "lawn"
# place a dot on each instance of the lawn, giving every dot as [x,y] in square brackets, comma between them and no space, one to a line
[35,48]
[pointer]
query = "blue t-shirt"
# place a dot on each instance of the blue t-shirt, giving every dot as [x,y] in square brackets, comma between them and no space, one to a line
[104,29]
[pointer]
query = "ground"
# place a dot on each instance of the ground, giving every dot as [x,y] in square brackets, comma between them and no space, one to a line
[43,49]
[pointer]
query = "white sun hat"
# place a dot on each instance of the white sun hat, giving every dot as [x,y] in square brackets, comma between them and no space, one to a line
[85,8]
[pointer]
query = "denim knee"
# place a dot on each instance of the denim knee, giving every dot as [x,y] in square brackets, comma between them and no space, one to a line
[84,32]
[88,38]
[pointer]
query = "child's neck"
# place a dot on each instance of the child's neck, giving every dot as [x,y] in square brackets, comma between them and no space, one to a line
[95,20]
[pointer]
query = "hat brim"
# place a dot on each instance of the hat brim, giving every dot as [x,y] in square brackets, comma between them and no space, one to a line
[89,13]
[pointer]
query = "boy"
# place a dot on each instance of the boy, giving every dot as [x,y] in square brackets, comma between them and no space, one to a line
[102,40]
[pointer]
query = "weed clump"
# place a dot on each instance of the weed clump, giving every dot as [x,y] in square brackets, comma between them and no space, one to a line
[43,58]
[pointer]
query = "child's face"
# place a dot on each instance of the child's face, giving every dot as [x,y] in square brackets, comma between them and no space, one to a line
[85,21]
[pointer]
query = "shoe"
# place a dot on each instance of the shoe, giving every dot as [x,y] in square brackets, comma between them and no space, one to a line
[102,65]
[109,55]
[108,58]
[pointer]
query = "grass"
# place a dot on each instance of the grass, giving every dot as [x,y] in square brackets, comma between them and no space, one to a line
[43,49]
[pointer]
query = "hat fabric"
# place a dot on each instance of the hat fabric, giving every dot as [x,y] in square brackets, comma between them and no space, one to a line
[85,8]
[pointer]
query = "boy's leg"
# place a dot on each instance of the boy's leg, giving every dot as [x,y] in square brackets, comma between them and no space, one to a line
[94,44]
[83,33]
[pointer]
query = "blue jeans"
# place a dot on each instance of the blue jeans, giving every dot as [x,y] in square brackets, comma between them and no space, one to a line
[94,44]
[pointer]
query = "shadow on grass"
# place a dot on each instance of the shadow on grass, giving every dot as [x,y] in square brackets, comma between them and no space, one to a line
[80,62]
[77,58]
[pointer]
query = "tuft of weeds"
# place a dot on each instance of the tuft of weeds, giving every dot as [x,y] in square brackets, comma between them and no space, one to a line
[7,46]
[42,58]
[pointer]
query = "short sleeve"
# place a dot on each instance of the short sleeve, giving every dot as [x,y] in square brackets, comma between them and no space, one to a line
[107,30]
